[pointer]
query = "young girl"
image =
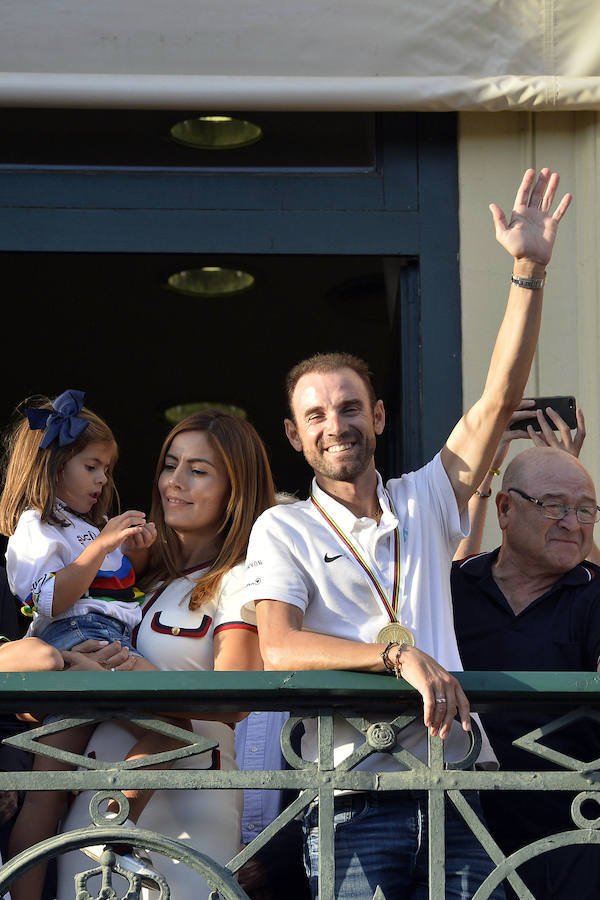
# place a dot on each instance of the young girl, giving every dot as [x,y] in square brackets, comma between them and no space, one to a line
[74,571]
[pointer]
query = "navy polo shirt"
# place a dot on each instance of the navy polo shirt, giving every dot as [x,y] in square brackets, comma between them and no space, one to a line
[560,631]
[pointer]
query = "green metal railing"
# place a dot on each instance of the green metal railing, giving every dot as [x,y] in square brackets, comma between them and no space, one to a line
[94,696]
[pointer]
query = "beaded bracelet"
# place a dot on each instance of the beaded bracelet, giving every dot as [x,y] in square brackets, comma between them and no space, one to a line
[389,665]
[394,667]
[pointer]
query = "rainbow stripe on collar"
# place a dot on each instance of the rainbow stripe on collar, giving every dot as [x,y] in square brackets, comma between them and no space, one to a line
[392,610]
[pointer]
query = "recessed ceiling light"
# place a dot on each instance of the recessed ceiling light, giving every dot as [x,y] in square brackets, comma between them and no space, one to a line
[176,414]
[210,281]
[216,133]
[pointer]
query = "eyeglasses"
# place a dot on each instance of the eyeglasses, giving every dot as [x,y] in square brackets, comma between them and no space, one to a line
[586,515]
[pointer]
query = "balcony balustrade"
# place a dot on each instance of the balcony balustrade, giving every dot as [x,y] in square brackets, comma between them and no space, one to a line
[94,696]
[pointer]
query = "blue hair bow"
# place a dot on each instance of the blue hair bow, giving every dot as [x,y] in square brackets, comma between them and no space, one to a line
[61,421]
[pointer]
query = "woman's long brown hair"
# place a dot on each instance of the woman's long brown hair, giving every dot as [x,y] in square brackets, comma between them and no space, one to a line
[250,492]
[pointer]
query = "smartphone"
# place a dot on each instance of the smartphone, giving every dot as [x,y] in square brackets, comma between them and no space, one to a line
[564,406]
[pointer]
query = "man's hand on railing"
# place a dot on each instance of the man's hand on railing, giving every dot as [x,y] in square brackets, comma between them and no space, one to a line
[442,694]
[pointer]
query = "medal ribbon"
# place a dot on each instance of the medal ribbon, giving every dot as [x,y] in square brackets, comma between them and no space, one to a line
[392,610]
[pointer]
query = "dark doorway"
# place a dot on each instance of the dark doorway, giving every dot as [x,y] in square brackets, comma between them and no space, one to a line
[106,324]
[348,222]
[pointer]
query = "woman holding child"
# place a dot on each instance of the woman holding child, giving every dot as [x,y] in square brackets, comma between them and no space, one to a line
[212,481]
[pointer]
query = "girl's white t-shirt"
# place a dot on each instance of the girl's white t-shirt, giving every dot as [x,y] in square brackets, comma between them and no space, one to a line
[39,549]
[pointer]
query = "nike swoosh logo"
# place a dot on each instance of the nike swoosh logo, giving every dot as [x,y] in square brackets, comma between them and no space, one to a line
[328,558]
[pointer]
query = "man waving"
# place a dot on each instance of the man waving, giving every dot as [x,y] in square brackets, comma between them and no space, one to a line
[357,577]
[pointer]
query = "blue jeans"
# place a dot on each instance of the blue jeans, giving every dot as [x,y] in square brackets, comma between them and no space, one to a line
[64,634]
[381,839]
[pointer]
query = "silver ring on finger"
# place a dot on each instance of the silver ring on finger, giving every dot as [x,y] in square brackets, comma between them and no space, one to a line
[440,700]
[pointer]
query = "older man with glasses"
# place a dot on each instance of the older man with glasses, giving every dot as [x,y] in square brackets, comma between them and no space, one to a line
[534,604]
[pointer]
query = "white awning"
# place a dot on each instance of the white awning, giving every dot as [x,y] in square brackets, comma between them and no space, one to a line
[301,54]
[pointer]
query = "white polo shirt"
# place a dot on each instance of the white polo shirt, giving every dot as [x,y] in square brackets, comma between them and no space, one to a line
[295,556]
[39,549]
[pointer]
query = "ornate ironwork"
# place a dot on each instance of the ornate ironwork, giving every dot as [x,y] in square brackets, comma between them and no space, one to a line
[109,866]
[320,695]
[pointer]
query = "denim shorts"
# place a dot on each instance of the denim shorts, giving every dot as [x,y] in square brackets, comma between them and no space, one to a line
[64,634]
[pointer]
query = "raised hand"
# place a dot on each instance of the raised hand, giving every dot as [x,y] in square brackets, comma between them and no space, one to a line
[562,438]
[531,231]
[523,411]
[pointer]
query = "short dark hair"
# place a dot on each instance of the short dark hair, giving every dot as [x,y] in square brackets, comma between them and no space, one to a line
[329,362]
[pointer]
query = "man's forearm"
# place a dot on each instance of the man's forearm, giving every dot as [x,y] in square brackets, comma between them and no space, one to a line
[528,236]
[516,342]
[305,650]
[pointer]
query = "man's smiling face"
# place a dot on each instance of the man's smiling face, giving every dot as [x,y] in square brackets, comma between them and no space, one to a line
[334,424]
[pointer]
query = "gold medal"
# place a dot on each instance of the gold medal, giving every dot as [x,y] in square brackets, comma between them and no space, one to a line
[394,631]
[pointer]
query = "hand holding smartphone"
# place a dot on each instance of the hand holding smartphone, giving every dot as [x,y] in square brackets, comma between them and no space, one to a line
[565,406]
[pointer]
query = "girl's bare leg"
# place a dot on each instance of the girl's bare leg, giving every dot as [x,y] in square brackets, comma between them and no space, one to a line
[42,811]
[148,743]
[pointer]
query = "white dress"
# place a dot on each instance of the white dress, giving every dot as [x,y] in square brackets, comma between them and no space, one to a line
[209,821]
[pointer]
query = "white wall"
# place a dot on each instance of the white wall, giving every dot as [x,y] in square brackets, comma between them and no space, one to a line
[494,150]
